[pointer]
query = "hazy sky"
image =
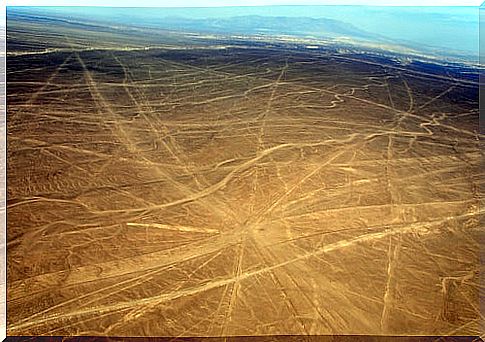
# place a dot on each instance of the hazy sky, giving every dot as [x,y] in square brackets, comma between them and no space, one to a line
[211,3]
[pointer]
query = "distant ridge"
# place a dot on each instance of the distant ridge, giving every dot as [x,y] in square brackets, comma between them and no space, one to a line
[445,33]
[274,25]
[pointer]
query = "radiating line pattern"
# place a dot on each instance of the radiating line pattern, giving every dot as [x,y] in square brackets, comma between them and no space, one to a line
[240,191]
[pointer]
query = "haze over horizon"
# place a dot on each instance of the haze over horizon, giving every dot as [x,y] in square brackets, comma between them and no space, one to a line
[224,3]
[439,31]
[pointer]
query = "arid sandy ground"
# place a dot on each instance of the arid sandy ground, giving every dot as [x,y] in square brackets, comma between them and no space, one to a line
[240,191]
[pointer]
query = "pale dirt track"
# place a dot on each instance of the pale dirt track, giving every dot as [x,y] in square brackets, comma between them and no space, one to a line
[240,194]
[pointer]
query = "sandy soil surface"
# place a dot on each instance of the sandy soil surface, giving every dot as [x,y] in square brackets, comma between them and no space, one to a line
[239,191]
